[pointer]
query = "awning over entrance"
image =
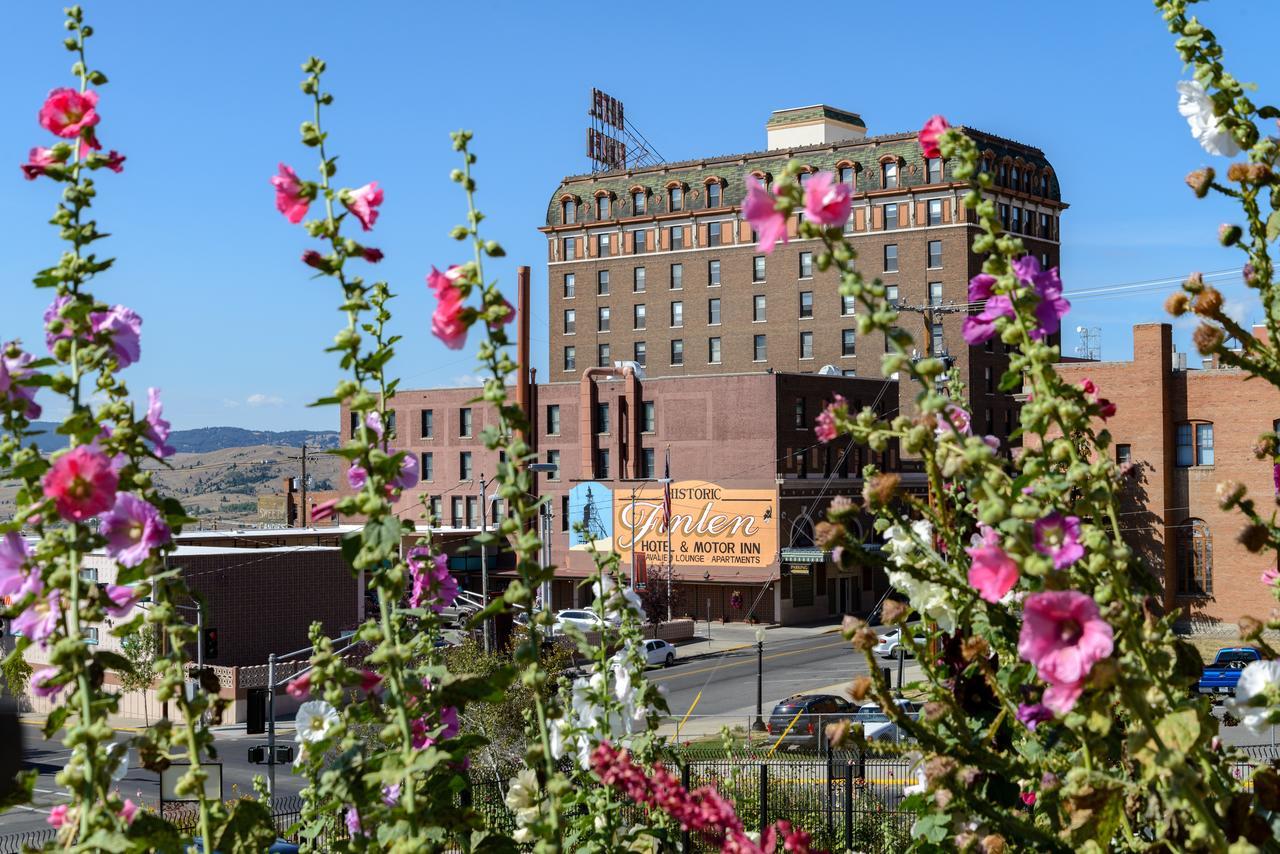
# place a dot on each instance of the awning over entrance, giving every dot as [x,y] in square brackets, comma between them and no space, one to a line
[804,555]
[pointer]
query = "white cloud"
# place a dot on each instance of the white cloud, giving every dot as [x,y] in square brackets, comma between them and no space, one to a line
[229,403]
[264,400]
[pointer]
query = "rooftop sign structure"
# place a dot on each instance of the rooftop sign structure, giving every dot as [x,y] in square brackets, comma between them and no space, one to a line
[613,143]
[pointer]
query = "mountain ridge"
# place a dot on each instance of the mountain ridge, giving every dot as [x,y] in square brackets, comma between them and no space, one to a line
[206,439]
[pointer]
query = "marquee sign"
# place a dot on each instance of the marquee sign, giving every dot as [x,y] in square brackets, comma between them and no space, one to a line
[710,526]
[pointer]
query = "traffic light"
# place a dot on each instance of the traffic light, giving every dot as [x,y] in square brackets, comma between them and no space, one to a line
[210,644]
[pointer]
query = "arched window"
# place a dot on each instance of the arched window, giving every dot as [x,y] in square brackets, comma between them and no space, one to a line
[603,207]
[714,192]
[675,197]
[570,211]
[1194,556]
[889,175]
[639,200]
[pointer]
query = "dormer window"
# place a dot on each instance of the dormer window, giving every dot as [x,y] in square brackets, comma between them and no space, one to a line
[713,194]
[933,169]
[602,207]
[570,212]
[889,177]
[638,202]
[847,176]
[675,198]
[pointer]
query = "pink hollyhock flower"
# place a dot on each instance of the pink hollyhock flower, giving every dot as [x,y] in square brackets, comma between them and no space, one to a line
[38,162]
[134,529]
[14,555]
[53,314]
[423,727]
[1275,475]
[357,477]
[123,328]
[1034,714]
[1048,287]
[129,811]
[993,573]
[432,582]
[374,422]
[292,196]
[979,328]
[40,683]
[353,822]
[363,203]
[114,161]
[929,134]
[58,815]
[40,620]
[1106,408]
[67,112]
[1028,798]
[758,209]
[448,323]
[826,200]
[824,427]
[122,599]
[369,681]
[1087,386]
[391,794]
[323,510]
[13,370]
[157,429]
[1063,635]
[1270,576]
[300,688]
[1058,537]
[373,256]
[992,442]
[408,477]
[981,287]
[82,483]
[312,258]
[959,422]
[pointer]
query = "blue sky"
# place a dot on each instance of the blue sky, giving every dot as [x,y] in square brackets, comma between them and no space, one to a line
[204,101]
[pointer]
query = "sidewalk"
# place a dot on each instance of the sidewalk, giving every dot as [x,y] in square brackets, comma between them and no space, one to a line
[731,637]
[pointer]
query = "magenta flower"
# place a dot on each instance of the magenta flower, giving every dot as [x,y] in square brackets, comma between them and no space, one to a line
[432,583]
[353,822]
[38,162]
[157,429]
[1048,287]
[357,476]
[82,483]
[1034,714]
[363,203]
[448,323]
[134,529]
[979,328]
[825,425]
[408,477]
[299,688]
[369,681]
[113,160]
[312,258]
[1275,476]
[391,794]
[960,421]
[826,200]
[374,422]
[1270,576]
[981,287]
[292,196]
[758,209]
[129,811]
[54,313]
[1063,635]
[58,815]
[372,255]
[425,729]
[123,327]
[323,510]
[66,112]
[993,573]
[14,555]
[929,134]
[122,599]
[40,620]
[13,370]
[40,683]
[1058,537]
[507,317]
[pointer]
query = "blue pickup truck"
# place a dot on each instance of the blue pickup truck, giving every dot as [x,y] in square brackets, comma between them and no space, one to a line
[1221,676]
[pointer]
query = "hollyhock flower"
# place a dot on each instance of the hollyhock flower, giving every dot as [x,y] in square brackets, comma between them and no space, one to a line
[373,256]
[758,209]
[423,726]
[114,161]
[299,688]
[408,477]
[58,815]
[122,599]
[391,794]
[432,582]
[1063,635]
[128,811]
[959,421]
[929,134]
[353,822]
[82,483]
[123,327]
[1195,105]
[507,317]
[825,426]
[448,323]
[363,203]
[369,681]
[66,112]
[1058,537]
[40,683]
[52,315]
[157,429]
[1047,285]
[374,422]
[981,287]
[38,162]
[826,200]
[312,258]
[40,620]
[323,510]
[14,555]
[134,528]
[1034,714]
[992,442]
[13,370]
[314,721]
[993,573]
[1028,798]
[1106,409]
[614,600]
[292,196]
[979,328]
[1259,682]
[1270,576]
[357,477]
[1087,386]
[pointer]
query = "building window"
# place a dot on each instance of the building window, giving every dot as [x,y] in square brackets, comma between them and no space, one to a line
[640,352]
[464,422]
[570,249]
[602,418]
[935,212]
[639,243]
[570,212]
[677,236]
[713,195]
[602,319]
[355,423]
[847,176]
[473,512]
[1016,178]
[676,198]
[603,357]
[713,351]
[939,343]
[570,358]
[677,314]
[891,295]
[1194,444]
[847,342]
[564,513]
[935,293]
[437,511]
[456,512]
[639,200]
[602,283]
[713,312]
[1016,223]
[802,418]
[602,245]
[761,349]
[677,277]
[677,351]
[806,265]
[638,316]
[757,268]
[806,304]
[553,419]
[570,286]
[804,178]
[934,170]
[602,463]
[1194,558]
[1004,216]
[1124,454]
[464,465]
[891,257]
[428,423]
[890,216]
[391,424]
[848,305]
[637,280]
[935,254]
[713,274]
[806,345]
[570,321]
[889,179]
[713,234]
[648,464]
[428,466]
[988,379]
[888,338]
[602,207]
[758,308]
[553,458]
[648,417]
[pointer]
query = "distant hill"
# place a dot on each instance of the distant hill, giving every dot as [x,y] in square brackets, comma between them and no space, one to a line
[207,439]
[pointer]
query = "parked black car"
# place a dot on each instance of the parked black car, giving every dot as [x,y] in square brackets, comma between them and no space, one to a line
[814,712]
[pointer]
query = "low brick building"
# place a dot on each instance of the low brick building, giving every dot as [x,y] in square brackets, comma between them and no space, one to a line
[1186,431]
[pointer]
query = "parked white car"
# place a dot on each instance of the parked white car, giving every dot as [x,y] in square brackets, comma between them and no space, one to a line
[890,641]
[657,653]
[876,723]
[587,621]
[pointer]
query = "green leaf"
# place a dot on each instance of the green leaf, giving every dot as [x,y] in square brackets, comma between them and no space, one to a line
[932,828]
[1011,380]
[1273,226]
[248,828]
[1179,731]
[56,719]
[152,833]
[114,661]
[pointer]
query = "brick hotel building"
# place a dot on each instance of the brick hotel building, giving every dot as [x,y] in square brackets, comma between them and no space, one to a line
[669,330]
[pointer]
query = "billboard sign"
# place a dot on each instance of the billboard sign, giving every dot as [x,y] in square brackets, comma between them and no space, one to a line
[607,109]
[591,507]
[710,526]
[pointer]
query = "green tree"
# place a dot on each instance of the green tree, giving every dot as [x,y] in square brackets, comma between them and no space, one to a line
[140,648]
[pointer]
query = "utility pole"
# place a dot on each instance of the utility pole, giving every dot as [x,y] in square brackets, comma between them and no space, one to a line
[303,511]
[633,537]
[484,560]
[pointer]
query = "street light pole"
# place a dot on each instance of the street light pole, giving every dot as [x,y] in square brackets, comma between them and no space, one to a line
[271,729]
[633,537]
[484,561]
[758,726]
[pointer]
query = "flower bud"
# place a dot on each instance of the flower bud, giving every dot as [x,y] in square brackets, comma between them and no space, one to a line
[892,610]
[827,535]
[938,769]
[975,648]
[1259,173]
[1206,338]
[1228,235]
[1208,302]
[1238,172]
[839,734]
[1199,182]
[880,489]
[992,843]
[1194,283]
[865,639]
[1253,537]
[1229,493]
[849,626]
[1176,304]
[859,688]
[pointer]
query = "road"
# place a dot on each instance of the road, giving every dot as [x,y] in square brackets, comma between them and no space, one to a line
[48,757]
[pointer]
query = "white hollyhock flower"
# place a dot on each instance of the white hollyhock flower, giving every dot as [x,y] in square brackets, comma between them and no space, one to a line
[1197,108]
[913,547]
[521,790]
[314,720]
[616,600]
[922,782]
[1258,678]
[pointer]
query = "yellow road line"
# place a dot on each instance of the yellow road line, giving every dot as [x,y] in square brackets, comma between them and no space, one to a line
[785,731]
[686,714]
